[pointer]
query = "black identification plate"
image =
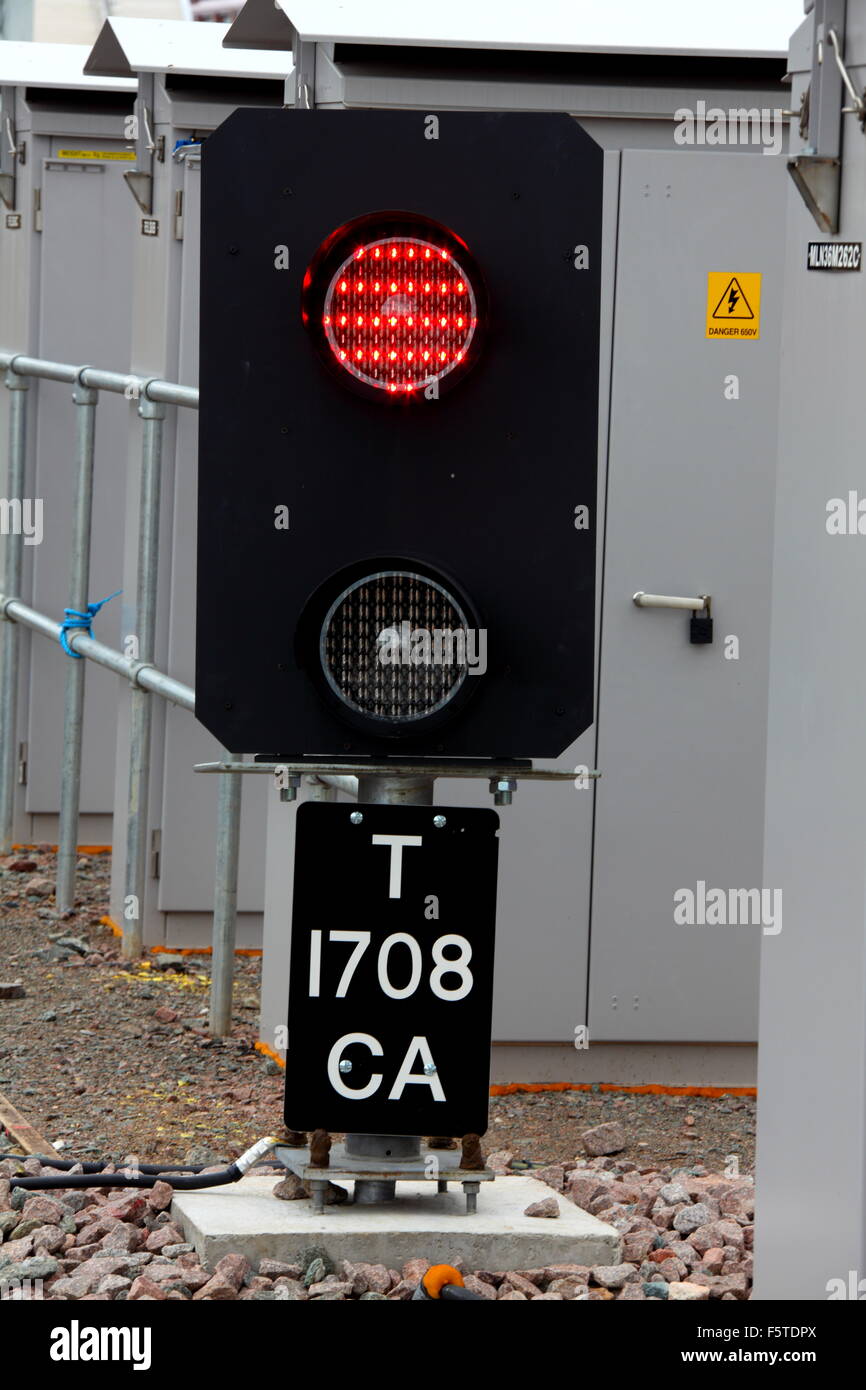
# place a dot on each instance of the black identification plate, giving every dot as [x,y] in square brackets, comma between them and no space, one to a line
[834,255]
[391,976]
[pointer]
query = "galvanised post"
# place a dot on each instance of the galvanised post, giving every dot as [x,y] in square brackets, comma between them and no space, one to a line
[17,385]
[85,399]
[225,901]
[141,705]
[378,790]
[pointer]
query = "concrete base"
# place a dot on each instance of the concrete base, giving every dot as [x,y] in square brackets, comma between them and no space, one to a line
[246,1219]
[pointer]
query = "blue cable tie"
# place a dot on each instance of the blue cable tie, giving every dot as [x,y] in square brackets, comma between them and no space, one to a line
[81,622]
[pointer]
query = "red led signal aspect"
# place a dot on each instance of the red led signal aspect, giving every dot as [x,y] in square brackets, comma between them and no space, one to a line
[400,313]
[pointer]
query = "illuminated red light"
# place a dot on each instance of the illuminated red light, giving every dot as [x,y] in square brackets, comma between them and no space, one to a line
[388,340]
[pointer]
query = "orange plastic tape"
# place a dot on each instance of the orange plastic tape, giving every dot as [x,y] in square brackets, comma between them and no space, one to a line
[178,950]
[199,951]
[515,1086]
[650,1090]
[80,849]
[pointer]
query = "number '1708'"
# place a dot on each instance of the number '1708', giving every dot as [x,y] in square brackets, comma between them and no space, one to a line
[443,965]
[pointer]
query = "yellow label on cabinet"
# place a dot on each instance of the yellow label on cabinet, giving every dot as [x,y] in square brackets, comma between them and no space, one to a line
[733,304]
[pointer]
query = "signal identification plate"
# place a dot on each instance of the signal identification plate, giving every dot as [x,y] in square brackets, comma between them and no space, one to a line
[391,975]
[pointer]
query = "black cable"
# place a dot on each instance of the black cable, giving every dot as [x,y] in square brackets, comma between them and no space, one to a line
[140,1179]
[48,1161]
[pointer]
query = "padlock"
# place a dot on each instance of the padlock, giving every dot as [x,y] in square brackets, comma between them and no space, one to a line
[701,625]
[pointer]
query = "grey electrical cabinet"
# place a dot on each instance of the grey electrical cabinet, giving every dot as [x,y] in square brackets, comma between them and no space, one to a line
[187,84]
[588,936]
[66,294]
[588,875]
[681,734]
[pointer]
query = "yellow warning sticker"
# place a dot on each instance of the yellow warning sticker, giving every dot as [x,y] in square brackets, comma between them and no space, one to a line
[97,154]
[733,304]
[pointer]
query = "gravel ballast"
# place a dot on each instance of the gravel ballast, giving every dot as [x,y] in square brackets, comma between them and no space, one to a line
[117,1245]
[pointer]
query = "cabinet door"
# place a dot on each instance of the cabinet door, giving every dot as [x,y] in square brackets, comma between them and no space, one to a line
[682,728]
[84,316]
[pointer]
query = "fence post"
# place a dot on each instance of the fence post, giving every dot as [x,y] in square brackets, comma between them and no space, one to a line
[15,477]
[85,398]
[141,705]
[225,901]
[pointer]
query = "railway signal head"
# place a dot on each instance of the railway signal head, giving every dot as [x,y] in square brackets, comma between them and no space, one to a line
[398,433]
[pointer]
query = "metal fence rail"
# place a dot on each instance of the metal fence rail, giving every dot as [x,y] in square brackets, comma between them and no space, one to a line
[152,395]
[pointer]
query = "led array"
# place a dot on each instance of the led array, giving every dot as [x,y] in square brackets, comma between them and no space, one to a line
[352,655]
[400,313]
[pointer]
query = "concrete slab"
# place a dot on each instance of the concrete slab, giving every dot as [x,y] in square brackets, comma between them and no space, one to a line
[421,1222]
